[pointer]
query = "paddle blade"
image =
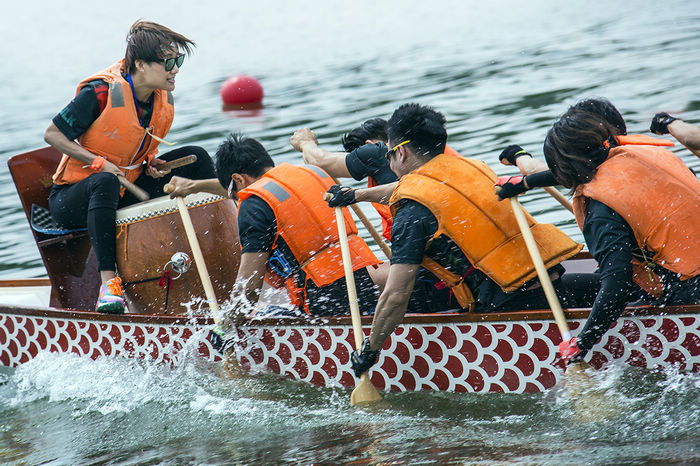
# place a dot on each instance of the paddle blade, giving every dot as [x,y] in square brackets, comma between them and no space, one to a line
[364,392]
[591,401]
[230,366]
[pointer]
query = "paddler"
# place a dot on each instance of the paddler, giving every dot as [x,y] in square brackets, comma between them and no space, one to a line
[287,232]
[112,128]
[364,158]
[365,147]
[638,206]
[448,221]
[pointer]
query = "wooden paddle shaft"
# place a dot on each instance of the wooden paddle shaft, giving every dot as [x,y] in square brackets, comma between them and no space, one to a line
[372,231]
[197,253]
[140,194]
[541,270]
[349,279]
[365,221]
[520,163]
[560,198]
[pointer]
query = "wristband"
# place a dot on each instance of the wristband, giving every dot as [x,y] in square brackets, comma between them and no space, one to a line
[98,164]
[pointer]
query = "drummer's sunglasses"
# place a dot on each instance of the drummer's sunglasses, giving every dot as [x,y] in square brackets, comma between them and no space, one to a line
[170,63]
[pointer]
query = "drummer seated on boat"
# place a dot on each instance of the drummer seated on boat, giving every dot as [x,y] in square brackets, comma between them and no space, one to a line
[452,236]
[288,234]
[364,158]
[637,205]
[111,130]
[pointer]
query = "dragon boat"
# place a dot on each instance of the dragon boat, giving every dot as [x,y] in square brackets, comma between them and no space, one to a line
[513,352]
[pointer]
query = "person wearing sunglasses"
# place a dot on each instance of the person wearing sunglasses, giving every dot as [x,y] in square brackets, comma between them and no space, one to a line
[365,157]
[450,228]
[112,129]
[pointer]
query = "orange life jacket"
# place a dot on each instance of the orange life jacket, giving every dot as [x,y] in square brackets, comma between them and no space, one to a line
[308,225]
[659,198]
[117,133]
[459,192]
[384,210]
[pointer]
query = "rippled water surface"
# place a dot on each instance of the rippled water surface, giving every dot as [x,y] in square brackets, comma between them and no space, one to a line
[500,71]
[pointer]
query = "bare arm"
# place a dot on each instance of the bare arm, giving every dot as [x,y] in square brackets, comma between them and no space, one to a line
[304,140]
[56,139]
[251,274]
[379,194]
[687,134]
[393,302]
[185,186]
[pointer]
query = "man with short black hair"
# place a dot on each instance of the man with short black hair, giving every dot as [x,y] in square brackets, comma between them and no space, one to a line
[448,220]
[288,235]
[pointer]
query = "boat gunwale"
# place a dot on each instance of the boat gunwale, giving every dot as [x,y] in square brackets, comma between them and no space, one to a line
[421,319]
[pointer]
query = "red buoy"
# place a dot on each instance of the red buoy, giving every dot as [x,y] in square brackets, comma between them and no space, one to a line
[242,89]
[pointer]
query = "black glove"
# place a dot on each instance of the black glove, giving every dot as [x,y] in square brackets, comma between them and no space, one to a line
[660,122]
[342,196]
[361,362]
[219,341]
[510,186]
[512,152]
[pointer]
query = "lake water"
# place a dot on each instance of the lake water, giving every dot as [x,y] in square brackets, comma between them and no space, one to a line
[500,71]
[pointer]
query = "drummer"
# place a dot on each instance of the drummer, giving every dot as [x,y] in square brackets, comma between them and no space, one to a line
[638,206]
[288,235]
[111,131]
[464,238]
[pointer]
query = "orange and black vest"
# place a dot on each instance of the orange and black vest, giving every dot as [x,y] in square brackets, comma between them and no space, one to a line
[308,225]
[459,192]
[117,133]
[659,198]
[384,210]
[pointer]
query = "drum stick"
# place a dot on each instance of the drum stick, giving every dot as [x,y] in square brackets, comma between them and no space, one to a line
[177,163]
[139,193]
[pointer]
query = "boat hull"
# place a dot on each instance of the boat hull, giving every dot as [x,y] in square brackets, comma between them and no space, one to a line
[512,353]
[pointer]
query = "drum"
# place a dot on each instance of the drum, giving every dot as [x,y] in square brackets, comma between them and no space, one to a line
[149,236]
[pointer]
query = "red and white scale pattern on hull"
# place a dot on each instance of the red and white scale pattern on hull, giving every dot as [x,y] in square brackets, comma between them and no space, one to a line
[512,357]
[518,356]
[23,337]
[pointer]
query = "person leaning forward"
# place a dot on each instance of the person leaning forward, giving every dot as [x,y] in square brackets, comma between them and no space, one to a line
[119,117]
[365,158]
[637,205]
[288,234]
[447,219]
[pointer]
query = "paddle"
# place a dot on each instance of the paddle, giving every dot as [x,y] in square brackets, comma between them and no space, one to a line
[196,250]
[372,231]
[560,198]
[230,363]
[364,391]
[520,163]
[546,282]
